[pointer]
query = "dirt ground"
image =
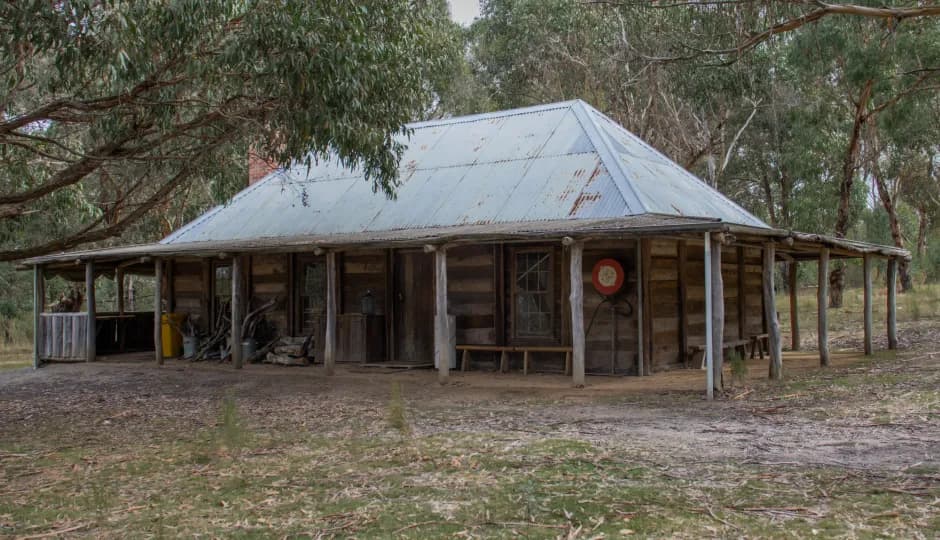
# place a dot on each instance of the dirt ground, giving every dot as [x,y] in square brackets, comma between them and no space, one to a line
[874,421]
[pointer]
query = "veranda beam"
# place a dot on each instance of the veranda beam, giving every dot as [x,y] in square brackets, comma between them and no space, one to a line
[39,301]
[718,315]
[770,313]
[577,313]
[866,272]
[329,338]
[238,310]
[157,309]
[442,350]
[794,311]
[822,302]
[90,333]
[709,351]
[892,303]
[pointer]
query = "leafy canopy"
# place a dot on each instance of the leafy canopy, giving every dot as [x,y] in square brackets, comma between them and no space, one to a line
[111,109]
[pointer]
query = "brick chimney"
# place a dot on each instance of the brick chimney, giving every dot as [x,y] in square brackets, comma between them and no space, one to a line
[258,168]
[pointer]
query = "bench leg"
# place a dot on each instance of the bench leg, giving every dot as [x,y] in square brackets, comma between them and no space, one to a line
[568,363]
[760,348]
[753,348]
[525,362]
[504,362]
[465,361]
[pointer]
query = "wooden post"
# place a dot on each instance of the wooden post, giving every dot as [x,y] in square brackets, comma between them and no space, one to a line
[718,315]
[39,303]
[389,305]
[742,298]
[207,297]
[329,338]
[170,286]
[465,361]
[709,350]
[441,328]
[770,314]
[119,292]
[647,263]
[504,361]
[157,309]
[119,285]
[822,302]
[238,310]
[640,314]
[577,313]
[90,334]
[866,272]
[525,362]
[892,303]
[794,311]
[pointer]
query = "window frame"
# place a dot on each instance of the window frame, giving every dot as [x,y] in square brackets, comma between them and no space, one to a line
[300,261]
[216,264]
[550,292]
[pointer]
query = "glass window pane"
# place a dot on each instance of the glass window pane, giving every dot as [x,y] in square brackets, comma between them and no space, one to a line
[533,300]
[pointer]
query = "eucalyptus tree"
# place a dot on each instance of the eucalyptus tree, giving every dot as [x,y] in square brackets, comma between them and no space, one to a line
[110,110]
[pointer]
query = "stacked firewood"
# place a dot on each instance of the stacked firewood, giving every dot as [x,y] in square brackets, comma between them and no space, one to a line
[290,351]
[217,346]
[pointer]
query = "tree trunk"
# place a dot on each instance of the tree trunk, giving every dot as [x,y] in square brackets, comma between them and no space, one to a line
[923,223]
[887,201]
[849,166]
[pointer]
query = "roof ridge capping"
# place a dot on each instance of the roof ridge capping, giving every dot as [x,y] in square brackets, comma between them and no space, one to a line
[721,197]
[477,117]
[582,111]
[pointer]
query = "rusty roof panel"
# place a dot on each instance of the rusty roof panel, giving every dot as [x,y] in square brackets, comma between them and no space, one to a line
[563,161]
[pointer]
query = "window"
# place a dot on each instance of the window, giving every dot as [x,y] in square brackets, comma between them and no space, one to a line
[533,301]
[311,292]
[221,290]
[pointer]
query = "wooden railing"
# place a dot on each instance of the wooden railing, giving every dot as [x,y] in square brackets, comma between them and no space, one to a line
[64,336]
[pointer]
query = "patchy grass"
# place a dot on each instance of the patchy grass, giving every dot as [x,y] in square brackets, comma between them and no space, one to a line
[133,450]
[15,356]
[479,484]
[919,305]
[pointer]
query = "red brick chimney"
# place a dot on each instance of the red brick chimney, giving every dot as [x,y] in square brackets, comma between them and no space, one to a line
[258,168]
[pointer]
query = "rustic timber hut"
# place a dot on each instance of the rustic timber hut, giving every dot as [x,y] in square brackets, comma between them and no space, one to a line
[545,238]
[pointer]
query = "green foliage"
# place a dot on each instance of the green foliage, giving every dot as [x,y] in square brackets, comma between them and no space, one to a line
[167,97]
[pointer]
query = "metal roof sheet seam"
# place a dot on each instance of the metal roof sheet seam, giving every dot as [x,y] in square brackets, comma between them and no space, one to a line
[542,163]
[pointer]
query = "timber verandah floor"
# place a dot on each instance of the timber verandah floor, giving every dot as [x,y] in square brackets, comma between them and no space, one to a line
[678,380]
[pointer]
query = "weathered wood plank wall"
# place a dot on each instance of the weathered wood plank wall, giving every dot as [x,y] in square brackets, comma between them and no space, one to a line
[269,281]
[599,339]
[362,271]
[188,289]
[471,293]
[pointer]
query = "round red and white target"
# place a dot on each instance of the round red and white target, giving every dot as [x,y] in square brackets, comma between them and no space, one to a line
[607,276]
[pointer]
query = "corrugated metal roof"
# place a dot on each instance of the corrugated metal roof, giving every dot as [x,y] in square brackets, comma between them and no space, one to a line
[563,161]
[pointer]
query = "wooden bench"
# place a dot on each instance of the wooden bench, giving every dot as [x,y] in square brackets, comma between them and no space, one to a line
[504,351]
[760,343]
[739,345]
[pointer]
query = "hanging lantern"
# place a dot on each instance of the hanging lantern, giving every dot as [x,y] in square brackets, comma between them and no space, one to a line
[368,303]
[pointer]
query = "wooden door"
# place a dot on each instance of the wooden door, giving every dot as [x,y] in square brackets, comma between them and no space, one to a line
[414,307]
